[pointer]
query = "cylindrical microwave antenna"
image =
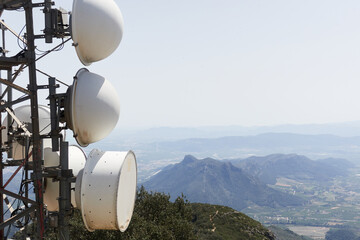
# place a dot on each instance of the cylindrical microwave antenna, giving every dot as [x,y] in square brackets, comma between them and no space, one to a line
[106,190]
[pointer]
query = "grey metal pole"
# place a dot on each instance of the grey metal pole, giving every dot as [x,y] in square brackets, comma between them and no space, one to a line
[37,171]
[1,152]
[26,168]
[65,193]
[9,118]
[48,22]
[1,185]
[9,95]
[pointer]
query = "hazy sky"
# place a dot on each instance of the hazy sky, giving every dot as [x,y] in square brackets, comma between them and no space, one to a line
[234,62]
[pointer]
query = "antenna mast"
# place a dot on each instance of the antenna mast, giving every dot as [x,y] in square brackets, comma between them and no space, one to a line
[33,146]
[33,88]
[27,59]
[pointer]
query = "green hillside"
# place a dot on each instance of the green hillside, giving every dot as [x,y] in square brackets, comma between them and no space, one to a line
[219,222]
[157,218]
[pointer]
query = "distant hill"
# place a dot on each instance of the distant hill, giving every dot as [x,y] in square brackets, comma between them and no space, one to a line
[215,182]
[297,167]
[337,162]
[313,146]
[267,140]
[345,129]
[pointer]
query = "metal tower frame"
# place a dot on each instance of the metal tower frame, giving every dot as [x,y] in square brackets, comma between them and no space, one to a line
[27,59]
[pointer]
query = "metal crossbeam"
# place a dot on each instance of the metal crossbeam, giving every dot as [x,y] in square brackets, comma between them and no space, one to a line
[17,216]
[17,196]
[13,32]
[21,125]
[9,104]
[6,82]
[11,4]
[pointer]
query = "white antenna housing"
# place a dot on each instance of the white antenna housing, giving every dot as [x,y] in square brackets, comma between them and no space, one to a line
[96,29]
[77,159]
[23,113]
[106,190]
[93,109]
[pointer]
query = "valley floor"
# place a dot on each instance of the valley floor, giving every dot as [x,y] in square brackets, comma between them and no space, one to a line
[334,204]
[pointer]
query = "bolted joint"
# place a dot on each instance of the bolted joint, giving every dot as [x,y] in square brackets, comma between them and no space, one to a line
[66,173]
[36,176]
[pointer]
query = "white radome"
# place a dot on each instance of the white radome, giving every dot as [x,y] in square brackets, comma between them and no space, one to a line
[23,113]
[93,107]
[96,29]
[77,160]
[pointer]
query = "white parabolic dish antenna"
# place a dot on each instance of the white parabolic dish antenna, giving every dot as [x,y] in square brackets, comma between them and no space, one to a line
[77,159]
[96,29]
[106,189]
[23,113]
[92,108]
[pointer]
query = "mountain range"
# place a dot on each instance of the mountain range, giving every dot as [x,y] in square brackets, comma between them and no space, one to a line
[343,129]
[293,166]
[244,182]
[263,141]
[211,181]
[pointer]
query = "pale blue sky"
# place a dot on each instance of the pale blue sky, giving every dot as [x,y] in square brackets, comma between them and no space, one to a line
[234,62]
